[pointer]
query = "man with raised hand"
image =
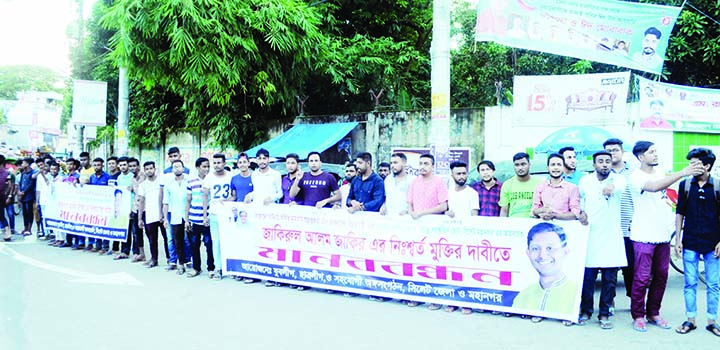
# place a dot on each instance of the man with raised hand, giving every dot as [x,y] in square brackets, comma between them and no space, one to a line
[427,195]
[650,231]
[216,189]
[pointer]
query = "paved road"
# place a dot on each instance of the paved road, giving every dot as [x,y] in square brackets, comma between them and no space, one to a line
[53,298]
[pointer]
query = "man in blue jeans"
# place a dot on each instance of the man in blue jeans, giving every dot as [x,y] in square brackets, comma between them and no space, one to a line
[698,235]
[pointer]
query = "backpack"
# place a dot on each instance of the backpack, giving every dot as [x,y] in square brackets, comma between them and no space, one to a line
[714,180]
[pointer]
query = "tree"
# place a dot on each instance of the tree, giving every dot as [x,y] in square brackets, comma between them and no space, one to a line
[16,78]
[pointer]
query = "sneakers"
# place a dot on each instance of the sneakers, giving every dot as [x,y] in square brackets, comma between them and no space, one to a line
[171,267]
[192,273]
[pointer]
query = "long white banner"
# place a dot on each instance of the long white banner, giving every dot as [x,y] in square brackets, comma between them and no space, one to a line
[481,262]
[86,210]
[672,107]
[565,100]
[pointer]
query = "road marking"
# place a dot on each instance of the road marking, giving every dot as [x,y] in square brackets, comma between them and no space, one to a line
[117,278]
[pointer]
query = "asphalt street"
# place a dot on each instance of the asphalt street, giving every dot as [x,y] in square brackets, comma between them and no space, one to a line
[53,298]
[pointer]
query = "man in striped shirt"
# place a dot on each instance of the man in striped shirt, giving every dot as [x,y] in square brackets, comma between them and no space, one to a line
[194,219]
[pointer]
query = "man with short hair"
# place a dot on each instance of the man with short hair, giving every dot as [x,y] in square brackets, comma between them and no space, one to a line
[556,198]
[174,201]
[488,189]
[26,193]
[427,195]
[216,189]
[125,181]
[194,219]
[75,242]
[650,232]
[367,190]
[241,184]
[135,214]
[42,184]
[396,186]
[350,173]
[112,165]
[85,169]
[4,225]
[316,188]
[383,170]
[267,187]
[293,173]
[569,165]
[600,195]
[168,176]
[698,236]
[173,154]
[152,219]
[99,178]
[648,55]
[619,166]
[516,195]
[10,197]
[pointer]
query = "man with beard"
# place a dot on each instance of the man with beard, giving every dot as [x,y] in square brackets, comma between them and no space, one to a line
[516,195]
[99,178]
[648,56]
[267,187]
[151,213]
[293,173]
[216,188]
[556,198]
[600,195]
[463,202]
[85,169]
[650,231]
[367,190]
[317,187]
[174,201]
[396,187]
[125,181]
[427,195]
[135,214]
[383,170]
[488,189]
[569,165]
[194,219]
[350,173]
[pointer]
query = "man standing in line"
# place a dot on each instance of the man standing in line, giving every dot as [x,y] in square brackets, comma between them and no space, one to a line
[516,195]
[135,214]
[620,167]
[600,194]
[463,202]
[99,178]
[124,181]
[267,187]
[194,219]
[113,171]
[10,197]
[698,235]
[317,188]
[26,193]
[396,187]
[427,195]
[488,189]
[167,176]
[75,242]
[42,185]
[384,170]
[367,190]
[241,184]
[556,198]
[293,173]
[7,234]
[216,189]
[85,169]
[173,154]
[350,173]
[569,165]
[650,232]
[152,219]
[174,202]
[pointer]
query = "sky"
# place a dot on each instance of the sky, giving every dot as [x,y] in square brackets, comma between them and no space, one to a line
[35,32]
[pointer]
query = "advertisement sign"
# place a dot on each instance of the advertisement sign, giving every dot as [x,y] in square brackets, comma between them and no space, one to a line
[565,100]
[622,33]
[456,154]
[479,262]
[87,210]
[89,102]
[678,108]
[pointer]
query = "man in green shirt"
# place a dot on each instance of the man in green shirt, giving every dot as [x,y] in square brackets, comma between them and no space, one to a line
[516,195]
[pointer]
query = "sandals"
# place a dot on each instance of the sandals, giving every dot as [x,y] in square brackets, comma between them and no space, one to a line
[450,308]
[660,322]
[686,327]
[714,329]
[536,319]
[639,325]
[583,320]
[120,256]
[466,311]
[192,273]
[605,323]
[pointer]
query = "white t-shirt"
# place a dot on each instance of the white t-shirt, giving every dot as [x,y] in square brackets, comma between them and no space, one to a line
[653,220]
[150,191]
[396,194]
[268,184]
[463,202]
[218,188]
[43,187]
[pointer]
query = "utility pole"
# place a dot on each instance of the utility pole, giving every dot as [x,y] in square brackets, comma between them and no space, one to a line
[123,120]
[440,81]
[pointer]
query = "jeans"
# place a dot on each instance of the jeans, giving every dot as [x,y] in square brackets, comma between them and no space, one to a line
[607,291]
[28,213]
[712,275]
[178,234]
[194,238]
[3,220]
[151,230]
[131,234]
[629,270]
[651,273]
[215,236]
[173,249]
[10,211]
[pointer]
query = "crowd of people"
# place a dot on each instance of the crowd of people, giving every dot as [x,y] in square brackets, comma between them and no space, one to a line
[630,223]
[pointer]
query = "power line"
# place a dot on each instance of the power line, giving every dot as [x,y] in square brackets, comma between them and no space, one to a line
[703,13]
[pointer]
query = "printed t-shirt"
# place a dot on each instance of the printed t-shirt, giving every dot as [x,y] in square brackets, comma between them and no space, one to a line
[518,196]
[316,188]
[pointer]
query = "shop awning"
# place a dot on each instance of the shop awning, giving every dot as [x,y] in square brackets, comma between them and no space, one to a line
[305,138]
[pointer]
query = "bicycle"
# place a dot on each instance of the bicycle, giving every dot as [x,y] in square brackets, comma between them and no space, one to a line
[677,262]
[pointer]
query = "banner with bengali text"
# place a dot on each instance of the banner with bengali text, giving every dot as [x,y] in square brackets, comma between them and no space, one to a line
[678,108]
[626,34]
[565,100]
[481,262]
[86,210]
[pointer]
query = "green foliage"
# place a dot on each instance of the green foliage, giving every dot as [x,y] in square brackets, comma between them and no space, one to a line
[18,78]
